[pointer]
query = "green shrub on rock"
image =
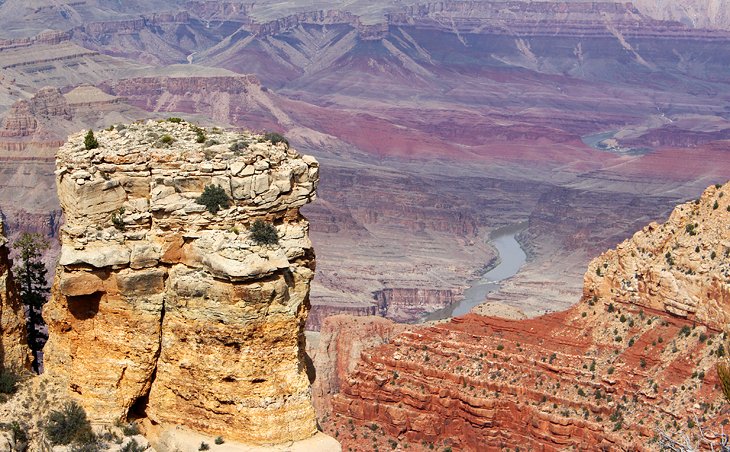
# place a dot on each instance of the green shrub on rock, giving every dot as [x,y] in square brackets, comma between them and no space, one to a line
[276,138]
[68,425]
[90,140]
[214,198]
[8,381]
[263,233]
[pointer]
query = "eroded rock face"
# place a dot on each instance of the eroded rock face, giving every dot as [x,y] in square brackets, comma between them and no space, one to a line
[164,310]
[342,340]
[14,351]
[607,374]
[681,267]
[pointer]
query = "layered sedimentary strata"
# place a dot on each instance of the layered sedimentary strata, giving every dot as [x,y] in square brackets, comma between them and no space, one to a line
[340,342]
[164,310]
[635,357]
[14,351]
[410,305]
[21,121]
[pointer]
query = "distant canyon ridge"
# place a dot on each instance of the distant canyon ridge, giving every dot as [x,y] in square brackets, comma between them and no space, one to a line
[434,123]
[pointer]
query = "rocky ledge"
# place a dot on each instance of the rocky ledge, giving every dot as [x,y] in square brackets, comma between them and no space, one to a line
[166,312]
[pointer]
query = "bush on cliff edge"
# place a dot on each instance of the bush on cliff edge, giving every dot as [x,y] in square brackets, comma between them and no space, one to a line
[90,140]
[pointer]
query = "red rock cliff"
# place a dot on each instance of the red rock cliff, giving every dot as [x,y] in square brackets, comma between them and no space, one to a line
[637,355]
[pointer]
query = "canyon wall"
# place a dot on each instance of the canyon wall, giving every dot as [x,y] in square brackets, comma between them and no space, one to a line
[162,309]
[339,345]
[635,357]
[14,351]
[412,304]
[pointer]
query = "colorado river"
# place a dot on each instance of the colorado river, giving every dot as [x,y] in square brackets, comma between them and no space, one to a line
[511,256]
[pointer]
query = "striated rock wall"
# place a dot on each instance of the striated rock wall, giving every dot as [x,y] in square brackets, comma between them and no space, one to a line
[586,19]
[14,351]
[341,341]
[162,310]
[607,374]
[412,304]
[320,312]
[22,120]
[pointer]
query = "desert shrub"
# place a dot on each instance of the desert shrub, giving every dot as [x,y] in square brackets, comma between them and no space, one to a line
[199,134]
[276,138]
[238,146]
[130,429]
[90,140]
[204,446]
[174,120]
[68,425]
[263,233]
[214,198]
[132,446]
[8,381]
[18,431]
[167,139]
[219,440]
[118,219]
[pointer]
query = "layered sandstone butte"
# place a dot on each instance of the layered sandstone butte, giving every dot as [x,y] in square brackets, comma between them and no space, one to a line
[161,309]
[635,357]
[14,351]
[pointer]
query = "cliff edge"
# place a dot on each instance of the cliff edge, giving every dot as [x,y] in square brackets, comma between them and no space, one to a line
[165,311]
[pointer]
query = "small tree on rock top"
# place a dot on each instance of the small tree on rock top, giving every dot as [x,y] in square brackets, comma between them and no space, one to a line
[90,140]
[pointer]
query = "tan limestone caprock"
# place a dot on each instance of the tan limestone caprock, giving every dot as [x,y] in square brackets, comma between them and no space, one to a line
[162,310]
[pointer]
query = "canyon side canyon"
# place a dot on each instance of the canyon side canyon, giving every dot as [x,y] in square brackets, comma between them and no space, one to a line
[437,123]
[425,129]
[634,358]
